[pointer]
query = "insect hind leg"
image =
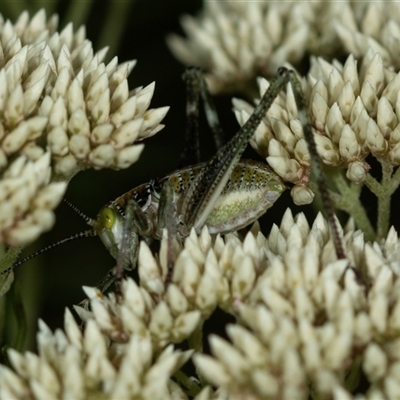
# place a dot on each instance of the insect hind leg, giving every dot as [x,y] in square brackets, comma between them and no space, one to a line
[196,87]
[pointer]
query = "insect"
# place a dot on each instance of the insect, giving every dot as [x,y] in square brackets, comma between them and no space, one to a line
[225,193]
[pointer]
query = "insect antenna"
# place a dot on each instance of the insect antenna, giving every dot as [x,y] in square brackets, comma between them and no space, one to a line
[88,233]
[76,210]
[79,235]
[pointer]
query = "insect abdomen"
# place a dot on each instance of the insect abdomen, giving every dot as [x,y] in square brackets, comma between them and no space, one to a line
[252,188]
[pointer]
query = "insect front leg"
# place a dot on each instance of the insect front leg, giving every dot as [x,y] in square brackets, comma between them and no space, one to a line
[167,219]
[120,229]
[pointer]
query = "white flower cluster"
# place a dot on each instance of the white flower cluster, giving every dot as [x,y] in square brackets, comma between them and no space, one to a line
[305,320]
[54,88]
[61,110]
[369,25]
[310,320]
[79,365]
[353,114]
[237,41]
[27,200]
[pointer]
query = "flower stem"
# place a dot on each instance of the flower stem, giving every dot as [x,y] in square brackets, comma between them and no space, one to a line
[348,199]
[383,192]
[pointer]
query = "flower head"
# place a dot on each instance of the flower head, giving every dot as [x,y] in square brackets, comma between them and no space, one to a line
[75,364]
[62,109]
[304,319]
[354,114]
[236,41]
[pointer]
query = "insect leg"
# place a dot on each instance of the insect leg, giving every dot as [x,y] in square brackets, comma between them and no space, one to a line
[129,243]
[167,218]
[210,111]
[212,179]
[196,86]
[316,163]
[191,150]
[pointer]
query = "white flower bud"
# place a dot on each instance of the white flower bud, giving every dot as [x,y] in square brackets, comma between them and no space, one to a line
[13,112]
[376,141]
[58,141]
[348,146]
[153,117]
[386,118]
[79,146]
[288,169]
[346,100]
[78,123]
[58,114]
[66,165]
[127,133]
[102,156]
[334,123]
[127,156]
[375,362]
[101,133]
[356,172]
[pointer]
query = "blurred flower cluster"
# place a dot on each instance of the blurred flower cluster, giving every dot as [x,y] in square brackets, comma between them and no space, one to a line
[62,110]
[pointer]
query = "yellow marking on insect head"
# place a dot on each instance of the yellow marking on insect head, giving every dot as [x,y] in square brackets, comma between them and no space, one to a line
[107,217]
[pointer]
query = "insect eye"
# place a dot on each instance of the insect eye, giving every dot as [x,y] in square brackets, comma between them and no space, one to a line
[107,217]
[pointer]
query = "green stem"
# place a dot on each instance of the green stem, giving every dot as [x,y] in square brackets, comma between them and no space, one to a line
[196,339]
[395,181]
[348,199]
[196,342]
[192,387]
[383,192]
